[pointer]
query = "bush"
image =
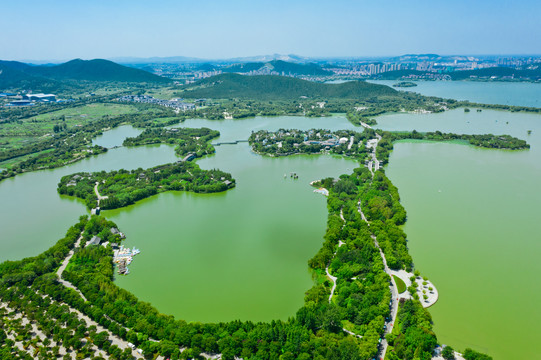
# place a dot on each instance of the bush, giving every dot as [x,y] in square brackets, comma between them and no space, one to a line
[448,353]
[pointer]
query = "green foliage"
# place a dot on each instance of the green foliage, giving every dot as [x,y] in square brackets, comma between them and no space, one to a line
[448,353]
[314,141]
[90,70]
[26,270]
[72,143]
[188,141]
[405,84]
[271,87]
[485,141]
[470,354]
[124,187]
[356,118]
[413,335]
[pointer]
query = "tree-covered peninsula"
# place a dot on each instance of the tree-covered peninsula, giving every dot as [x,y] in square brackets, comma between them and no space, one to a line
[314,141]
[405,84]
[119,188]
[351,143]
[188,141]
[489,141]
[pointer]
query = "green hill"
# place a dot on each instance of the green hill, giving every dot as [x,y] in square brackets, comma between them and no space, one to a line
[17,65]
[17,75]
[11,78]
[95,70]
[269,87]
[280,67]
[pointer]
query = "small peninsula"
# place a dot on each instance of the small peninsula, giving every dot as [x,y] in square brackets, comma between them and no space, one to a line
[405,84]
[119,188]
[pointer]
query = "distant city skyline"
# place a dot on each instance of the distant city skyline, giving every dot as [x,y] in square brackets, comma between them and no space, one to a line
[210,29]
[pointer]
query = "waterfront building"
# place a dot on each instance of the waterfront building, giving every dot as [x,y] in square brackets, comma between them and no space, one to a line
[40,97]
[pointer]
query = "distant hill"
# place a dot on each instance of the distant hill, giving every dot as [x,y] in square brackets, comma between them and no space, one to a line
[20,75]
[192,60]
[15,65]
[11,77]
[95,70]
[157,60]
[272,87]
[279,66]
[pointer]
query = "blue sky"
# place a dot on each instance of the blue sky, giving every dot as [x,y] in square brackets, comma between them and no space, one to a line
[62,29]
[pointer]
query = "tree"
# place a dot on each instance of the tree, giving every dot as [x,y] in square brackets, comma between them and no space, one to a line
[332,319]
[448,353]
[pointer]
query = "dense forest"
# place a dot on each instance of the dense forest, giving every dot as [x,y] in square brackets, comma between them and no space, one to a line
[188,141]
[351,143]
[314,141]
[272,87]
[124,187]
[482,140]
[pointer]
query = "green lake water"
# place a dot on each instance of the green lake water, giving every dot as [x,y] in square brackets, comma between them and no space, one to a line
[473,228]
[241,254]
[473,224]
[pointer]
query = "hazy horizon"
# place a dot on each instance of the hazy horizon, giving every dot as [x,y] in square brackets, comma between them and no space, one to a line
[59,31]
[119,58]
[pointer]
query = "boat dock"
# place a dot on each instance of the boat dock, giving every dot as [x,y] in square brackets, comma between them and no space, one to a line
[123,257]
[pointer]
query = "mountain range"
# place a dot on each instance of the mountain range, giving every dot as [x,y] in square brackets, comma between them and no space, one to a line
[273,66]
[14,74]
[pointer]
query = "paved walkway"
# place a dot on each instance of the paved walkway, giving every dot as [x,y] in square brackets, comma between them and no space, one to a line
[432,295]
[62,267]
[98,193]
[334,278]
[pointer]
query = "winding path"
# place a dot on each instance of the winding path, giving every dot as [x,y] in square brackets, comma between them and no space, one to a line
[98,194]
[62,267]
[334,278]
[115,340]
[394,293]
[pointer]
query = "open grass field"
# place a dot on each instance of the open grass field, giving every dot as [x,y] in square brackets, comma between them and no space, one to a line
[24,132]
[400,284]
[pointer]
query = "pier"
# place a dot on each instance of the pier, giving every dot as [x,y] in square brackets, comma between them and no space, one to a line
[123,257]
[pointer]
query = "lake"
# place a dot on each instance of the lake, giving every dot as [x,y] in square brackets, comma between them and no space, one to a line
[472,226]
[495,92]
[241,254]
